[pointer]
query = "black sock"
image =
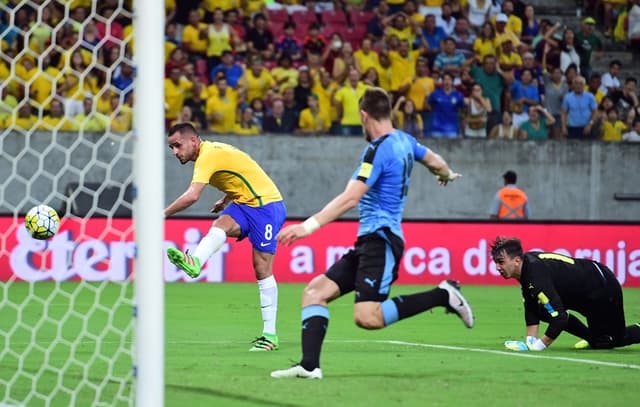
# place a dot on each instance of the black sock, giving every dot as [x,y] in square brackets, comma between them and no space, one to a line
[410,305]
[313,330]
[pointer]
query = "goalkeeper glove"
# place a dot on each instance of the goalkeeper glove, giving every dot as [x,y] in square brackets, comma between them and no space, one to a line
[532,343]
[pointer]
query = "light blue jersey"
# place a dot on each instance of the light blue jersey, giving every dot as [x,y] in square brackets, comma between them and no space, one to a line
[385,167]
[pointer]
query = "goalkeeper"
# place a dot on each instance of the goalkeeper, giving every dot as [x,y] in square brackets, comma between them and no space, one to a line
[252,207]
[552,284]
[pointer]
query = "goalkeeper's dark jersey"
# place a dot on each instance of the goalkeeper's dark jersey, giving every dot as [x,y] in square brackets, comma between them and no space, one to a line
[553,283]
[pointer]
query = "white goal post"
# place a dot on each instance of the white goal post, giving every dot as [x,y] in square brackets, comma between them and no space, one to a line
[82,314]
[149,205]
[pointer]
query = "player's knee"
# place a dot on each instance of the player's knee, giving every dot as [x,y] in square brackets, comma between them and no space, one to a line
[368,320]
[311,295]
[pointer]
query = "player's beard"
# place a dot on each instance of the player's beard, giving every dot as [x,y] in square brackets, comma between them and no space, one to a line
[367,135]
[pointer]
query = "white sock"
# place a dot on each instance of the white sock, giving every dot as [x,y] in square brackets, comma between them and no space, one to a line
[210,244]
[269,303]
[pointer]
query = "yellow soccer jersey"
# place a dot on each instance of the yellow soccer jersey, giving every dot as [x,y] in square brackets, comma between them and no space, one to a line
[191,37]
[613,131]
[235,173]
[402,68]
[314,123]
[367,61]
[419,90]
[349,99]
[257,86]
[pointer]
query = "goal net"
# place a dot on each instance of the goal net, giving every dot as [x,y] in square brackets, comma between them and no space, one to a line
[67,303]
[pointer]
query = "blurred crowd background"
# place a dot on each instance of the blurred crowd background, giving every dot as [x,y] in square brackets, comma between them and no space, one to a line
[457,68]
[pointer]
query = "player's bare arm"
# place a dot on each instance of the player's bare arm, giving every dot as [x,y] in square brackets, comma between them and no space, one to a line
[188,198]
[439,167]
[220,204]
[345,201]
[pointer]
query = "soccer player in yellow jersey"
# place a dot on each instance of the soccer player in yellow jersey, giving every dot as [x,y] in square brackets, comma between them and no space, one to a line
[254,209]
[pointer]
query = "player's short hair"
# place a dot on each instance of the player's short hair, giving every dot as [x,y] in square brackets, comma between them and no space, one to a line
[511,246]
[510,176]
[182,128]
[377,103]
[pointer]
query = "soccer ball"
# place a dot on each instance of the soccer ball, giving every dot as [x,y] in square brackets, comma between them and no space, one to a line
[42,222]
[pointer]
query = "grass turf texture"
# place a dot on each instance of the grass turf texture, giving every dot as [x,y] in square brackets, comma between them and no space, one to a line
[209,328]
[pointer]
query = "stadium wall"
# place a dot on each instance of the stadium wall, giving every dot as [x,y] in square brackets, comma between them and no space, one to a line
[568,180]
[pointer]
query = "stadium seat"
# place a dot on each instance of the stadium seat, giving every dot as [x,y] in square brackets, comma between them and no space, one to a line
[302,30]
[277,29]
[355,35]
[333,17]
[329,29]
[278,17]
[360,17]
[304,17]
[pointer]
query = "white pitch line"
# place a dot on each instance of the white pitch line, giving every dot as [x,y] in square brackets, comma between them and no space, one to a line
[531,355]
[512,353]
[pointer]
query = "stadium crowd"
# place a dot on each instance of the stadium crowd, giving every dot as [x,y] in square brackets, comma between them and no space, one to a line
[455,68]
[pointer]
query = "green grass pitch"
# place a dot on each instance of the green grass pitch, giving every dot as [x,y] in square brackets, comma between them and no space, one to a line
[431,359]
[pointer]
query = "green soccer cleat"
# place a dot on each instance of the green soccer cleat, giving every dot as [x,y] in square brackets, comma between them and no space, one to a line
[184,261]
[265,343]
[581,344]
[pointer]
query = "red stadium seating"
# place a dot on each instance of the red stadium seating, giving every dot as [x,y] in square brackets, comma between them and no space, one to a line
[277,29]
[329,29]
[355,35]
[333,17]
[304,17]
[360,17]
[278,17]
[302,30]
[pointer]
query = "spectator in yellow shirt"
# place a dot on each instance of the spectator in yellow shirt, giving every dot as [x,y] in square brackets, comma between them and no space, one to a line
[514,23]
[8,104]
[121,116]
[284,74]
[509,59]
[41,89]
[56,119]
[76,83]
[485,44]
[90,120]
[419,91]
[400,27]
[247,125]
[23,119]
[347,100]
[221,108]
[176,88]
[366,57]
[257,81]
[613,128]
[502,32]
[194,36]
[594,87]
[403,66]
[220,36]
[312,121]
[385,72]
[324,87]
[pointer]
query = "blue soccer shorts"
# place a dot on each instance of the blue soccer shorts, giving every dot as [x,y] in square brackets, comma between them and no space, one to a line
[261,224]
